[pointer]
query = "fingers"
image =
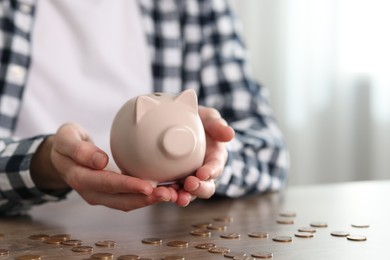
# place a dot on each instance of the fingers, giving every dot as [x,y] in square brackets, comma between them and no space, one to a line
[215,125]
[198,188]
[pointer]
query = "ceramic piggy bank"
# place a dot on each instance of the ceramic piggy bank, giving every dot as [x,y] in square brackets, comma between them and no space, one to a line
[159,137]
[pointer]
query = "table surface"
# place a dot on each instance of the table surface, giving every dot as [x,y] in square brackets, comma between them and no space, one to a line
[339,205]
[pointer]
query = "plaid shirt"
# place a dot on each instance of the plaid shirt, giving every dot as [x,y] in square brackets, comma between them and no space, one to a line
[193,44]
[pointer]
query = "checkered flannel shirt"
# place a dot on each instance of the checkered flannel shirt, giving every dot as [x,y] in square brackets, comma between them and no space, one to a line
[193,44]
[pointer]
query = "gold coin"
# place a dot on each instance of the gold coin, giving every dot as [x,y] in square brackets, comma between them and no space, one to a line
[289,214]
[263,255]
[40,237]
[201,224]
[103,256]
[319,224]
[173,257]
[205,245]
[105,243]
[307,229]
[360,225]
[72,242]
[216,227]
[219,250]
[258,234]
[226,219]
[53,241]
[230,236]
[177,243]
[4,251]
[284,239]
[340,233]
[357,238]
[61,236]
[128,257]
[200,233]
[287,221]
[28,257]
[152,241]
[243,258]
[82,249]
[304,234]
[234,254]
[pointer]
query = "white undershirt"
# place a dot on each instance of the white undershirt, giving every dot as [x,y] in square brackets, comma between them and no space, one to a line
[89,57]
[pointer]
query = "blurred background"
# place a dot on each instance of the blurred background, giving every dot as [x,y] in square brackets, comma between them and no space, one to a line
[326,64]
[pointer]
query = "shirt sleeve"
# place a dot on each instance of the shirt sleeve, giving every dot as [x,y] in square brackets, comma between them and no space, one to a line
[258,158]
[17,190]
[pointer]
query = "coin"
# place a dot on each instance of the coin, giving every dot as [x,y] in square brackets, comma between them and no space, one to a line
[201,224]
[82,249]
[243,258]
[287,221]
[357,238]
[225,219]
[216,227]
[200,233]
[205,245]
[177,243]
[289,214]
[340,233]
[230,236]
[1,236]
[72,242]
[234,254]
[105,243]
[319,224]
[307,229]
[304,234]
[28,257]
[61,236]
[262,255]
[258,234]
[40,237]
[4,251]
[103,256]
[152,240]
[282,239]
[360,225]
[128,257]
[53,241]
[173,257]
[219,250]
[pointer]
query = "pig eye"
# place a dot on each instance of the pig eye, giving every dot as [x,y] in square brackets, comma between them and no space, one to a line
[157,94]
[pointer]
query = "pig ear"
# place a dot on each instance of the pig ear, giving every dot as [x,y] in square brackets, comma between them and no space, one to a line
[142,105]
[188,97]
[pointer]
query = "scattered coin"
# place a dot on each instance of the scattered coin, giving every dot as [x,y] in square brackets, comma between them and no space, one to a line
[304,234]
[226,219]
[219,250]
[287,221]
[234,254]
[173,257]
[263,255]
[200,233]
[82,249]
[230,236]
[357,238]
[360,225]
[243,258]
[217,227]
[289,214]
[128,257]
[307,229]
[105,243]
[205,245]
[1,236]
[152,241]
[103,256]
[53,241]
[4,251]
[72,242]
[40,237]
[28,257]
[284,239]
[319,224]
[202,224]
[61,236]
[177,243]
[258,234]
[340,233]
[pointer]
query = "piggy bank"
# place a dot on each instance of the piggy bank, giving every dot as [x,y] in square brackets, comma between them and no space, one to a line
[159,137]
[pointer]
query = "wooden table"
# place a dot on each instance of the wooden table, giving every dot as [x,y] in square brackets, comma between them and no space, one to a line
[339,205]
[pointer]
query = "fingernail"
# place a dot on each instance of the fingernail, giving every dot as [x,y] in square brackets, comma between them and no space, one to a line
[99,160]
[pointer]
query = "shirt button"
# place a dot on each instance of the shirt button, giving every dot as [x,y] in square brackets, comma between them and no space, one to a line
[25,8]
[17,72]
